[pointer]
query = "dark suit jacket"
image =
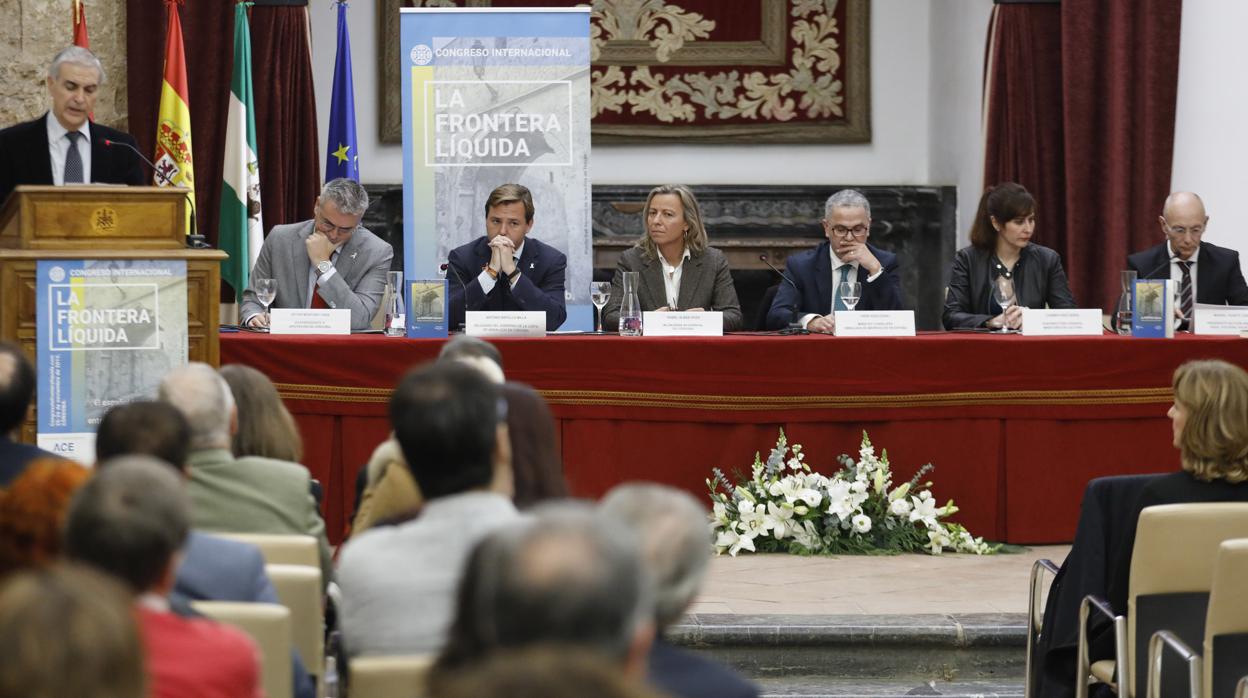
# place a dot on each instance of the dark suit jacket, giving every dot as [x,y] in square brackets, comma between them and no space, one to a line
[15,456]
[684,674]
[812,272]
[540,286]
[1219,279]
[1039,281]
[24,157]
[705,282]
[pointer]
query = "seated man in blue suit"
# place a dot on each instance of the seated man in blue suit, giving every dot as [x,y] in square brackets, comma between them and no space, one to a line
[817,274]
[506,270]
[1213,271]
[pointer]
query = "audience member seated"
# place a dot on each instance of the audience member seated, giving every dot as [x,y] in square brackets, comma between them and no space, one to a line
[17,388]
[675,551]
[1214,272]
[476,352]
[676,268]
[69,631]
[543,672]
[244,495]
[129,521]
[265,427]
[398,581]
[212,568]
[32,513]
[535,462]
[1001,247]
[567,578]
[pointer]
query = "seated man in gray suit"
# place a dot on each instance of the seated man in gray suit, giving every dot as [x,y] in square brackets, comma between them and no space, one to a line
[244,495]
[327,262]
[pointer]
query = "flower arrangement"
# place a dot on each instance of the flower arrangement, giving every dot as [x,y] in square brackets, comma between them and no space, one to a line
[786,507]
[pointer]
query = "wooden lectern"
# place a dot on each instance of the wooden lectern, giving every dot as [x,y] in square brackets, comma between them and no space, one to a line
[102,222]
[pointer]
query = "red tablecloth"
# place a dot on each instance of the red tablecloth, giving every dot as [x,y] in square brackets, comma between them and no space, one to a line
[1015,426]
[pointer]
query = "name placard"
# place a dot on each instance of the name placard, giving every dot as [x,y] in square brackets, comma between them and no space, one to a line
[874,323]
[309,321]
[505,323]
[1042,322]
[1220,319]
[678,324]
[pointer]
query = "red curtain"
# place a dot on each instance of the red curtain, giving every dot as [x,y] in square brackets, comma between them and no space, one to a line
[286,135]
[1080,102]
[285,101]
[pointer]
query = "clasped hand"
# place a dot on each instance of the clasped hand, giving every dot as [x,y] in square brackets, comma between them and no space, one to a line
[502,255]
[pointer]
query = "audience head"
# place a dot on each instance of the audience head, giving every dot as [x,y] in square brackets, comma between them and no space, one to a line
[675,544]
[74,78]
[846,221]
[17,387]
[1006,209]
[1210,419]
[450,422]
[541,672]
[32,512]
[1183,220]
[144,427]
[567,578]
[536,468]
[475,352]
[204,398]
[672,213]
[129,521]
[265,427]
[66,632]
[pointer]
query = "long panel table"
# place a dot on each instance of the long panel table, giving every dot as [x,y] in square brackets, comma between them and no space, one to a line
[1015,426]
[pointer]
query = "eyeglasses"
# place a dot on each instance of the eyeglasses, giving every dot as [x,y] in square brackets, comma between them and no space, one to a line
[855,232]
[325,226]
[1180,231]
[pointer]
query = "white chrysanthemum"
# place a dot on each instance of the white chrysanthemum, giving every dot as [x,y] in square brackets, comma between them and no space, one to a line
[862,523]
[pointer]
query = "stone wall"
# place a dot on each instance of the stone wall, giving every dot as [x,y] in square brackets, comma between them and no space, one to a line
[31,33]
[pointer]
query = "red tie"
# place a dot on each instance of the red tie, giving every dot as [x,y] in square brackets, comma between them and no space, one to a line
[317,301]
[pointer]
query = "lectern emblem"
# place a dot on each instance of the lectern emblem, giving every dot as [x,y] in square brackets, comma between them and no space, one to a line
[104,220]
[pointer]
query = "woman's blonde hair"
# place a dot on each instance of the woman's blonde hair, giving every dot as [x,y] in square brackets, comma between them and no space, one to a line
[1214,441]
[265,427]
[695,232]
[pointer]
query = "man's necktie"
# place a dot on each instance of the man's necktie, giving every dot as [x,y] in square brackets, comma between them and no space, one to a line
[73,161]
[1187,303]
[836,292]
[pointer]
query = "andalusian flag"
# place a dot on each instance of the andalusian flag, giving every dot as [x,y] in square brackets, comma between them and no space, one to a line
[241,232]
[173,128]
[342,159]
[80,25]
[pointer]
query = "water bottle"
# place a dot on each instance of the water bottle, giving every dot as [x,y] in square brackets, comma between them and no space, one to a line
[1122,312]
[396,314]
[630,307]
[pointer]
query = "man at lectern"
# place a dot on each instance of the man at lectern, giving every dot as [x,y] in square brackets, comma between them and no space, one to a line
[504,270]
[330,261]
[64,146]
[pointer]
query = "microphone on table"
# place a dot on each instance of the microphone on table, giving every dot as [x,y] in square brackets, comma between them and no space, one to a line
[795,325]
[463,287]
[1163,265]
[194,240]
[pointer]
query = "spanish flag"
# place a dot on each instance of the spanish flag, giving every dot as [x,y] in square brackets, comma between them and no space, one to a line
[174,166]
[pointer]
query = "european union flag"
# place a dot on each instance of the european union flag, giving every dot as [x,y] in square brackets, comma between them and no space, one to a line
[342,155]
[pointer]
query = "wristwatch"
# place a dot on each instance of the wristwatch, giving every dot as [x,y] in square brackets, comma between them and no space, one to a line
[322,268]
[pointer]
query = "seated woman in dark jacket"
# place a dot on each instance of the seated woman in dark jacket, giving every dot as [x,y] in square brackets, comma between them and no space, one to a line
[676,269]
[1001,246]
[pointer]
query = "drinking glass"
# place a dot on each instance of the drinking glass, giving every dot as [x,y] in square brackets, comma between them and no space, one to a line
[851,291]
[266,291]
[599,294]
[1003,292]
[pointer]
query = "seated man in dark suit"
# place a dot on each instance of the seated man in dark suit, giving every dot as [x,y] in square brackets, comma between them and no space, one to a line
[51,149]
[846,256]
[330,261]
[504,270]
[1213,271]
[17,387]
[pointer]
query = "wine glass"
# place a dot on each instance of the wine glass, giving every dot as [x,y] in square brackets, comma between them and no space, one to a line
[599,294]
[1003,293]
[851,291]
[266,291]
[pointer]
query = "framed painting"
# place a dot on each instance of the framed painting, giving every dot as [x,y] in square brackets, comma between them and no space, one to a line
[702,71]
